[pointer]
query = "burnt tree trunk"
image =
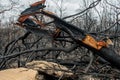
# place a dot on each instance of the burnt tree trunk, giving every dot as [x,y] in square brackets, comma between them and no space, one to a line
[106,52]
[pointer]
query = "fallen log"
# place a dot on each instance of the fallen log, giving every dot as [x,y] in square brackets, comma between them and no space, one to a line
[105,52]
[84,39]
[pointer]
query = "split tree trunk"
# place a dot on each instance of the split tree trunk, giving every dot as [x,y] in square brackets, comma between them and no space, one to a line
[106,52]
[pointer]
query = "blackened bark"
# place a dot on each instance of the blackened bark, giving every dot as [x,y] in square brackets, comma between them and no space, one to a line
[110,55]
[106,52]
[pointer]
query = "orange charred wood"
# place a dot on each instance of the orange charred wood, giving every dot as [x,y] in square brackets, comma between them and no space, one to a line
[38,3]
[101,44]
[57,33]
[89,40]
[23,18]
[48,12]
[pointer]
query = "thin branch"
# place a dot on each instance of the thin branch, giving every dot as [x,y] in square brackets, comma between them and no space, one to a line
[90,63]
[96,33]
[112,5]
[12,43]
[42,49]
[6,9]
[95,3]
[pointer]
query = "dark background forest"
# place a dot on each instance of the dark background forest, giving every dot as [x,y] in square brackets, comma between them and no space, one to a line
[100,23]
